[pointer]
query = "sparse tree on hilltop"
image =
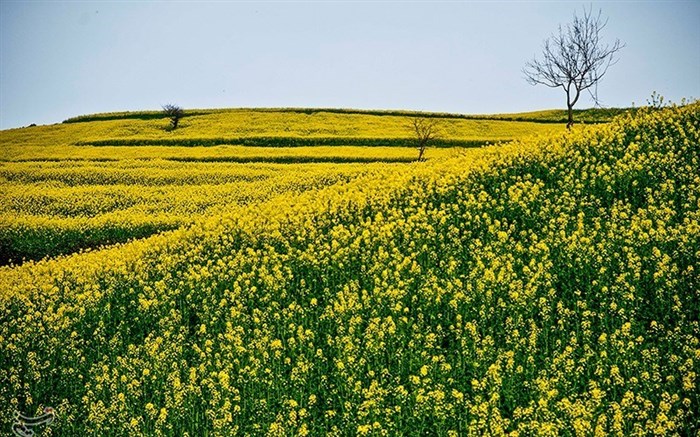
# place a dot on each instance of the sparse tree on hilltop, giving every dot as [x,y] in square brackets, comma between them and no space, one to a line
[426,131]
[576,59]
[175,113]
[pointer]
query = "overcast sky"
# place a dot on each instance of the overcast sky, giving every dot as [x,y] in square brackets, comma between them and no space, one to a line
[60,59]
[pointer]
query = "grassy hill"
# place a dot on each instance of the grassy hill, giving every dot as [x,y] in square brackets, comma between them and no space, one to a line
[543,287]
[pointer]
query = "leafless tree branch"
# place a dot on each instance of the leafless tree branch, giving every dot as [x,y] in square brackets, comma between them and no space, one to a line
[575,59]
[426,130]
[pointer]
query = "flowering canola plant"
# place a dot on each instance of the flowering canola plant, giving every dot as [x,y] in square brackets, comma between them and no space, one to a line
[543,287]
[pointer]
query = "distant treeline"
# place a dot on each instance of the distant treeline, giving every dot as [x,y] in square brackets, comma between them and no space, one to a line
[282,142]
[593,115]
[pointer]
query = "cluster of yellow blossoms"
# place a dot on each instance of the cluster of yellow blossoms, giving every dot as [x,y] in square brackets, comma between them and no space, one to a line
[540,288]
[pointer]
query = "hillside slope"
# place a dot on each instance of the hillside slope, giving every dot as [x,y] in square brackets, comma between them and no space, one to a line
[591,115]
[74,186]
[547,287]
[265,128]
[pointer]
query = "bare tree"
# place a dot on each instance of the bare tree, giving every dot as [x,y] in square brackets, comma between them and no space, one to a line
[426,131]
[175,113]
[575,60]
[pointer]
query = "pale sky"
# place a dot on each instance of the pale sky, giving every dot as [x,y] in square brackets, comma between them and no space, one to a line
[60,59]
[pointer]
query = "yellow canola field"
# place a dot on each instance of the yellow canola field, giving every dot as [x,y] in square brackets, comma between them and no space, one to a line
[252,123]
[50,208]
[38,165]
[540,288]
[292,155]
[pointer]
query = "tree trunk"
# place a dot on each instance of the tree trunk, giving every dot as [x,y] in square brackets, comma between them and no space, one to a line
[421,150]
[570,120]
